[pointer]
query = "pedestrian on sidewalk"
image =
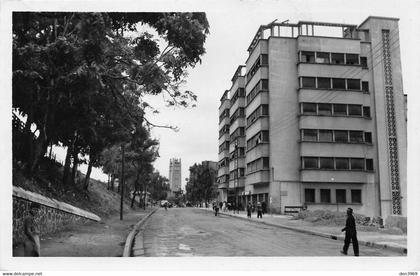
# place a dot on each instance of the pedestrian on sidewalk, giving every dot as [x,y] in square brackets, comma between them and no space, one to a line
[351,234]
[259,210]
[248,210]
[31,244]
[264,207]
[216,209]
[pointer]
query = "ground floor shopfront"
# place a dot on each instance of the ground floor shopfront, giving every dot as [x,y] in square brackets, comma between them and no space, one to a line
[277,195]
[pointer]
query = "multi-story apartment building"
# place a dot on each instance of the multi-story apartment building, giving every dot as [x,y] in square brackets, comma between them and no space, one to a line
[174,175]
[224,139]
[325,119]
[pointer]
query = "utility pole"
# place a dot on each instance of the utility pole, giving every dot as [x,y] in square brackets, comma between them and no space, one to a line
[144,195]
[122,181]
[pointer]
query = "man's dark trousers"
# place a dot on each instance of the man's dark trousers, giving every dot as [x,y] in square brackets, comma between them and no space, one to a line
[353,238]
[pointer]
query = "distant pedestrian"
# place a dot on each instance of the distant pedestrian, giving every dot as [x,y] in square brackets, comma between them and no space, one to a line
[264,207]
[216,210]
[31,245]
[259,210]
[248,210]
[351,234]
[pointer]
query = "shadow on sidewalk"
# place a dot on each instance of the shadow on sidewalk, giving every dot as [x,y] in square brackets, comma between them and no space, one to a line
[93,239]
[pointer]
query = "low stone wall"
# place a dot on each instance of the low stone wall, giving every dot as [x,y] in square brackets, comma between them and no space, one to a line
[53,215]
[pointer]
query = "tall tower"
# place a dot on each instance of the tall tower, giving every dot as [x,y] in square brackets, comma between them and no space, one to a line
[175,175]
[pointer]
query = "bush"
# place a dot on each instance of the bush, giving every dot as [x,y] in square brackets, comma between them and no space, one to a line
[327,217]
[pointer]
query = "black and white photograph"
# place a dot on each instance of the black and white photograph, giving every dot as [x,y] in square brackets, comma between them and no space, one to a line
[209,135]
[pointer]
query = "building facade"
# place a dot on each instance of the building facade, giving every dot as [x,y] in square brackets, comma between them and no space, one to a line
[324,120]
[174,175]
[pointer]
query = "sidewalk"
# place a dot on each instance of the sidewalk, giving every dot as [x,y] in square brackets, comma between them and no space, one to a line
[378,239]
[94,239]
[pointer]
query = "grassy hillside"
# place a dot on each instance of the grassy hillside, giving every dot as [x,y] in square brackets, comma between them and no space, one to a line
[97,200]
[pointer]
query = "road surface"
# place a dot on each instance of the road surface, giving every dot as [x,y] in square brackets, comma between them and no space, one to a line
[196,232]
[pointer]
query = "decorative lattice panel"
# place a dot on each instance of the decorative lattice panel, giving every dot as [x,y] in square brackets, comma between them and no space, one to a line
[392,133]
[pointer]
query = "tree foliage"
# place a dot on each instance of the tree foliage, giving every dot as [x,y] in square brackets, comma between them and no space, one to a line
[79,80]
[200,186]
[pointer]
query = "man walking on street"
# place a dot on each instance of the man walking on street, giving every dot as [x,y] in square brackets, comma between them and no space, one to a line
[248,210]
[216,209]
[351,234]
[259,210]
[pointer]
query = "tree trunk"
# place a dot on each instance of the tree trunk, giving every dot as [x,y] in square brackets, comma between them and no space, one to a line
[39,150]
[112,182]
[134,197]
[89,170]
[74,169]
[66,170]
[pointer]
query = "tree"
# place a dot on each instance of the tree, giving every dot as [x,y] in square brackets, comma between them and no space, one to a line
[79,78]
[159,186]
[200,185]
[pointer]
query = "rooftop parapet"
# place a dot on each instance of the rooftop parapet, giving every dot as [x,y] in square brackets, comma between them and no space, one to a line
[240,72]
[307,28]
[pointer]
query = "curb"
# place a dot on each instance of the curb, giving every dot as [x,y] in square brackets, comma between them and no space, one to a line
[398,249]
[132,234]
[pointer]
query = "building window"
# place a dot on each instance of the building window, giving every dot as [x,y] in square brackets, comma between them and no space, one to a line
[365,86]
[353,84]
[324,109]
[308,57]
[357,164]
[369,164]
[309,108]
[366,111]
[352,59]
[309,135]
[261,61]
[363,62]
[356,136]
[322,57]
[324,83]
[337,58]
[258,164]
[356,196]
[325,135]
[340,196]
[368,137]
[355,110]
[340,109]
[310,162]
[260,137]
[264,110]
[339,83]
[308,82]
[264,84]
[325,196]
[340,136]
[265,163]
[310,195]
[326,163]
[341,163]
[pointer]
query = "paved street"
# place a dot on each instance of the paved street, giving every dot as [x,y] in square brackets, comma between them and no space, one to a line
[195,232]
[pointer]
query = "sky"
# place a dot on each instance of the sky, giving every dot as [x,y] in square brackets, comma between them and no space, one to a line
[233,25]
